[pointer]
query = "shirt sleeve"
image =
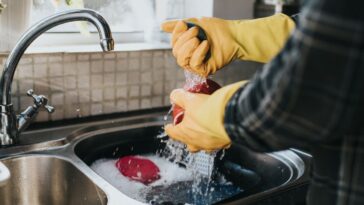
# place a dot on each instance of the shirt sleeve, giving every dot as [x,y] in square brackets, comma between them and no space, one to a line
[312,91]
[295,18]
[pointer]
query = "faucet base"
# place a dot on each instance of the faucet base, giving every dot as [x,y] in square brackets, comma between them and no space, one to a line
[9,131]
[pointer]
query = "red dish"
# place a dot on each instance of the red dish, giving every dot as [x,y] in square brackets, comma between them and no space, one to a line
[138,169]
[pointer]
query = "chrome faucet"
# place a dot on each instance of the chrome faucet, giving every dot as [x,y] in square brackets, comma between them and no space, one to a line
[12,125]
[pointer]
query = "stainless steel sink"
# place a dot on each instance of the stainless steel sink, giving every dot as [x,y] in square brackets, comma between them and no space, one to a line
[51,166]
[39,179]
[276,171]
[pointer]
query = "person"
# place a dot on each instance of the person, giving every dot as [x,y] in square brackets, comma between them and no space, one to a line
[309,95]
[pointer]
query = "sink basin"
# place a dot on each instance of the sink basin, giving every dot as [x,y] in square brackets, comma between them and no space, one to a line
[277,172]
[56,169]
[46,180]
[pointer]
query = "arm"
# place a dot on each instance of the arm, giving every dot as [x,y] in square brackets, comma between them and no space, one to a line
[312,92]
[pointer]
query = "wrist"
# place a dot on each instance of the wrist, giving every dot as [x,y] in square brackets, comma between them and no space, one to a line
[214,108]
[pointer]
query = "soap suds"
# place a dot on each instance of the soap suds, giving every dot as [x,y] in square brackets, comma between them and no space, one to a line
[170,173]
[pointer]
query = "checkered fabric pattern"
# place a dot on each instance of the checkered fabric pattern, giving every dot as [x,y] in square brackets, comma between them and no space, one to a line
[311,96]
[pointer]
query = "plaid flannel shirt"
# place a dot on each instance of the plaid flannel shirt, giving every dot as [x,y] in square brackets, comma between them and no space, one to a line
[311,96]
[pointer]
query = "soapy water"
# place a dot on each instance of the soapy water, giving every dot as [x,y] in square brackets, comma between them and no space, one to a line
[169,172]
[176,185]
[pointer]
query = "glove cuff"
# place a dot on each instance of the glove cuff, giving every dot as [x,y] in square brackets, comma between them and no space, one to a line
[261,39]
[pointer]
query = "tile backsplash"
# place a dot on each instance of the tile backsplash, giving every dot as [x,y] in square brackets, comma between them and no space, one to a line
[88,84]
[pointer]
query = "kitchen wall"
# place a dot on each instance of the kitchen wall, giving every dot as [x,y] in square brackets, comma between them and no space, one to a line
[95,83]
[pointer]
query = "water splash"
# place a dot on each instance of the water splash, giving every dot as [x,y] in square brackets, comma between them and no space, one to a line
[192,80]
[168,115]
[78,111]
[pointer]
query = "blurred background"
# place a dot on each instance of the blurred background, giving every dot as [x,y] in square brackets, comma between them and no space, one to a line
[130,20]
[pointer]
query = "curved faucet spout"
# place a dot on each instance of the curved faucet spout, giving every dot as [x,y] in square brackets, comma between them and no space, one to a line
[106,42]
[11,125]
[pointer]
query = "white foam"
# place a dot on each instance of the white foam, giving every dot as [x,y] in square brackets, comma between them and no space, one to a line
[169,172]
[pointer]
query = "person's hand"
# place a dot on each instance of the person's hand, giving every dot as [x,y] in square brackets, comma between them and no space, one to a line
[202,127]
[256,40]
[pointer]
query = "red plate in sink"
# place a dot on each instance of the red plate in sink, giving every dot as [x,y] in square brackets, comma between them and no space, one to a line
[138,169]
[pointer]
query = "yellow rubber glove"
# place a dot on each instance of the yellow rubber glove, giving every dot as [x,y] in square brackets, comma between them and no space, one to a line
[256,40]
[202,127]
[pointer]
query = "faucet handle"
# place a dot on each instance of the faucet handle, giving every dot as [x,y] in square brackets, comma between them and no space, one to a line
[40,101]
[30,93]
[49,108]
